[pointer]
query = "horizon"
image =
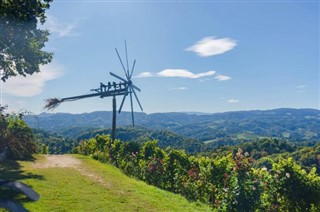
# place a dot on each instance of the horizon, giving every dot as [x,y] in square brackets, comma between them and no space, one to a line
[210,57]
[184,112]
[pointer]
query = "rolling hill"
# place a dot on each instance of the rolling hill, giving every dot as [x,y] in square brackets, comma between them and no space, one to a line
[284,123]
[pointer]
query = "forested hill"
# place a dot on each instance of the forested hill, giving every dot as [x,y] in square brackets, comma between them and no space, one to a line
[289,124]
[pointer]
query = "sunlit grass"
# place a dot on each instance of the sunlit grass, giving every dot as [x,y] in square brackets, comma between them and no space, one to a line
[97,187]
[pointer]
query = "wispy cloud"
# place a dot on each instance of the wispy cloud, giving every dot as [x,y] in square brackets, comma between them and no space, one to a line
[233,101]
[210,46]
[34,84]
[144,74]
[60,29]
[221,77]
[181,73]
[179,88]
[301,88]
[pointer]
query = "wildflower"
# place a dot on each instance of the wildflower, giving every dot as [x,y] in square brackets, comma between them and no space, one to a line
[254,188]
[288,175]
[246,154]
[226,175]
[264,169]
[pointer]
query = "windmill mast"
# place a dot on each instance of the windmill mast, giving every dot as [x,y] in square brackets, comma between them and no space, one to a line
[114,118]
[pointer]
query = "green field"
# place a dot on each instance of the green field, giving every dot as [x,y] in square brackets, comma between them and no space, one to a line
[89,186]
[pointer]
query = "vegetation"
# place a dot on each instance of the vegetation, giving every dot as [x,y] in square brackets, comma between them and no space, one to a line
[113,191]
[53,143]
[226,183]
[16,138]
[21,42]
[141,135]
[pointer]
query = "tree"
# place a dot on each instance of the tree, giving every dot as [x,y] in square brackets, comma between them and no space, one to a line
[21,42]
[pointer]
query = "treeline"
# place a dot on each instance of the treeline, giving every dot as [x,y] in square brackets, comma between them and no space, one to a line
[306,155]
[228,183]
[141,135]
[53,143]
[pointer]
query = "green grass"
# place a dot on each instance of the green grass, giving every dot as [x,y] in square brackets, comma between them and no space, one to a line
[67,189]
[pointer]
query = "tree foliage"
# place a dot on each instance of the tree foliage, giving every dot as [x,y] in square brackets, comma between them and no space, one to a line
[16,138]
[21,42]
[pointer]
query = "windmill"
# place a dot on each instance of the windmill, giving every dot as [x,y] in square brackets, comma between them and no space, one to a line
[112,89]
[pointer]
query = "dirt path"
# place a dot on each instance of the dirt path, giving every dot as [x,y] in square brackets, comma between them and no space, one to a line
[63,161]
[67,161]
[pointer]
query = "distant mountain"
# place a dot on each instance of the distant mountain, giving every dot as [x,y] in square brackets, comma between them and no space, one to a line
[284,123]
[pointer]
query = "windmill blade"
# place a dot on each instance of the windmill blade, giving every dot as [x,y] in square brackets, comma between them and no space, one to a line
[28,191]
[125,72]
[124,97]
[132,115]
[116,76]
[134,63]
[135,87]
[125,44]
[12,206]
[137,99]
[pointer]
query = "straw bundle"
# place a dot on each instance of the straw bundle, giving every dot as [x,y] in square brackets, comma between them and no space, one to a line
[52,103]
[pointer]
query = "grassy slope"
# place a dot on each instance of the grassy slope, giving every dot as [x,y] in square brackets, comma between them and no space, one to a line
[66,189]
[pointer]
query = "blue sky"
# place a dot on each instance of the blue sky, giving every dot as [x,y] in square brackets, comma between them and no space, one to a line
[193,56]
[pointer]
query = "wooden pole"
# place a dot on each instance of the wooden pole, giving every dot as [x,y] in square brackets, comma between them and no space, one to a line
[114,116]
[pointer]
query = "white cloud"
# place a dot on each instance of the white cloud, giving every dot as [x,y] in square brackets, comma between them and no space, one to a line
[179,88]
[32,85]
[301,88]
[60,29]
[210,46]
[221,77]
[233,101]
[144,74]
[184,73]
